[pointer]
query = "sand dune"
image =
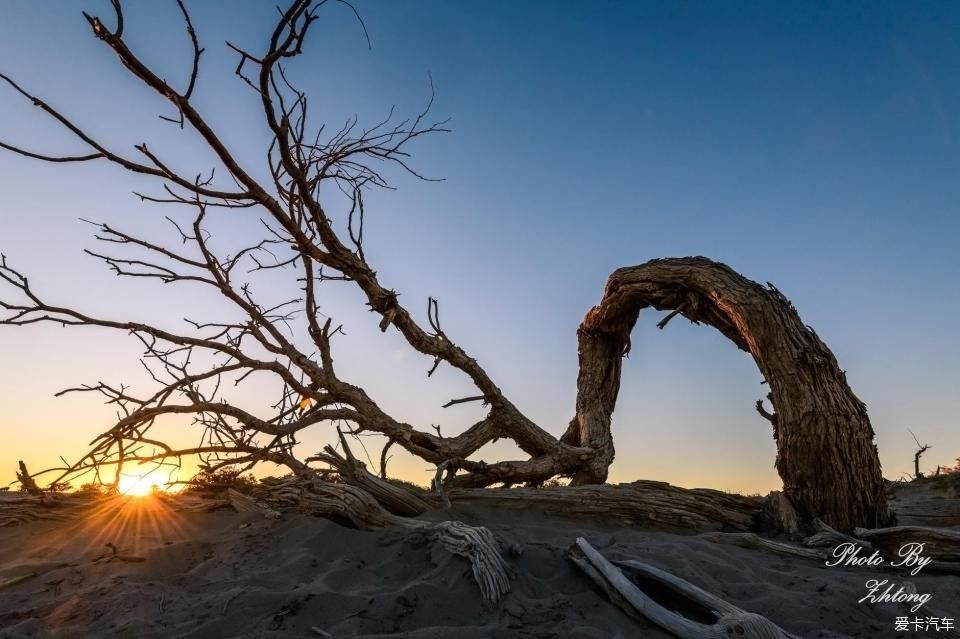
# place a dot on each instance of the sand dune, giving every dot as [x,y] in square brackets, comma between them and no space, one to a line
[226,574]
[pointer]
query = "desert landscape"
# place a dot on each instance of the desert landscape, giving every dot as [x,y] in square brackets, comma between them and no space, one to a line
[190,566]
[285,443]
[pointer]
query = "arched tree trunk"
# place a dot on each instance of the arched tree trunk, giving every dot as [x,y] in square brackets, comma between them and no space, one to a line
[826,455]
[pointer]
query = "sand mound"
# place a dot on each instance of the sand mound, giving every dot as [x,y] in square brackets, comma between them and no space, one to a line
[225,574]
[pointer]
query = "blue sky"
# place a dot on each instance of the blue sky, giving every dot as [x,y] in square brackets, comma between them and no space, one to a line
[813,145]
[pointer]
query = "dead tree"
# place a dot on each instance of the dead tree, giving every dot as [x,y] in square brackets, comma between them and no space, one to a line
[300,235]
[826,458]
[826,455]
[921,449]
[27,482]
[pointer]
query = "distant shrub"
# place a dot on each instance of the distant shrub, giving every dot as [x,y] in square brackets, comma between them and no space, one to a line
[947,478]
[93,488]
[946,470]
[222,479]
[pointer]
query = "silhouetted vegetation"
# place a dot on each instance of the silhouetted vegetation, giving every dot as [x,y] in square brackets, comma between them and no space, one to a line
[219,480]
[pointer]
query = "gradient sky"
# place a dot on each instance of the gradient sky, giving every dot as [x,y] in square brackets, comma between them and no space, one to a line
[811,145]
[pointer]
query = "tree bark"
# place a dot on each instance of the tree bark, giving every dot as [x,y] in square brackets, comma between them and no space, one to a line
[826,455]
[651,504]
[397,500]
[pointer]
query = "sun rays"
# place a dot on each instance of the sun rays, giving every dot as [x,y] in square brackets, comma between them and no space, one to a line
[133,524]
[142,484]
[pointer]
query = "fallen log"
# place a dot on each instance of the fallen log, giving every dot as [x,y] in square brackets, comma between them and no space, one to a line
[647,503]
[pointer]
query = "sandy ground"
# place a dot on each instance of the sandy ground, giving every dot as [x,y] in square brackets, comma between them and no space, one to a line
[225,574]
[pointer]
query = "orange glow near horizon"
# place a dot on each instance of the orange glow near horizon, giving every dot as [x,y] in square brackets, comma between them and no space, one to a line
[135,484]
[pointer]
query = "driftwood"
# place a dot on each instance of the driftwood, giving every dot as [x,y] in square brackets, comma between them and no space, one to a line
[478,545]
[647,503]
[731,621]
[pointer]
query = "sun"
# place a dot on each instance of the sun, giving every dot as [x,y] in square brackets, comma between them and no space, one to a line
[142,484]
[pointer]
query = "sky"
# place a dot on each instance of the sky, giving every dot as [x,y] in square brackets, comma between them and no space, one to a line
[812,145]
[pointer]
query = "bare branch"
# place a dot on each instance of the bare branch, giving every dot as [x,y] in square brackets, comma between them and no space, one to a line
[193,369]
